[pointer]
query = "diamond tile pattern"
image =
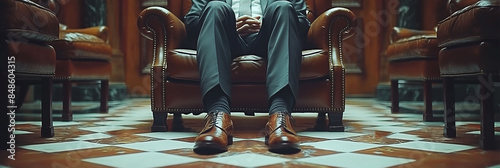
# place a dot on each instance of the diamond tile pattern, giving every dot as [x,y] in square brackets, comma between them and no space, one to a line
[373,138]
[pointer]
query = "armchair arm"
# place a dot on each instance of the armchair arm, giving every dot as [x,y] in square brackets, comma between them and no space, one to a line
[399,33]
[329,30]
[164,28]
[99,31]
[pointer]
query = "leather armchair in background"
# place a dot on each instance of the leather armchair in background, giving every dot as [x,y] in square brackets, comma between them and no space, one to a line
[26,29]
[174,71]
[83,56]
[413,56]
[469,42]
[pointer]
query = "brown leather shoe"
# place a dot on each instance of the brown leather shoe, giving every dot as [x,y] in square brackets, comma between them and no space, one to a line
[217,134]
[280,136]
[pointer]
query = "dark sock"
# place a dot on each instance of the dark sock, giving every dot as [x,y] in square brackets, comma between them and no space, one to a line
[281,101]
[217,100]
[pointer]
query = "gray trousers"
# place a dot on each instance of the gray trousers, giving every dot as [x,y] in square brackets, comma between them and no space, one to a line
[279,40]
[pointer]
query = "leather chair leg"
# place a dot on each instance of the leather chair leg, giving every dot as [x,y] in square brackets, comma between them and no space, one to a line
[104,96]
[320,122]
[159,122]
[450,130]
[47,127]
[177,123]
[335,122]
[21,94]
[428,116]
[487,140]
[394,96]
[67,115]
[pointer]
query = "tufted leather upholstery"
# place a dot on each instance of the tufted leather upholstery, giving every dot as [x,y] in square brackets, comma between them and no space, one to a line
[469,40]
[26,28]
[174,72]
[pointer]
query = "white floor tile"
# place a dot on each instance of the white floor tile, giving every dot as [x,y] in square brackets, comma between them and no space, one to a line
[123,123]
[156,146]
[143,160]
[92,136]
[106,128]
[379,123]
[479,133]
[169,135]
[392,128]
[59,123]
[357,118]
[63,146]
[406,115]
[330,135]
[253,139]
[496,166]
[354,160]
[129,118]
[249,160]
[20,132]
[341,146]
[433,146]
[432,124]
[405,137]
[90,115]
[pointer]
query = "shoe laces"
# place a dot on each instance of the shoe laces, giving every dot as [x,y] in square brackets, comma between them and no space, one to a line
[282,116]
[214,116]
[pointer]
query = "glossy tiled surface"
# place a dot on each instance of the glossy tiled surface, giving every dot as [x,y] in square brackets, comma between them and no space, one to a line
[374,138]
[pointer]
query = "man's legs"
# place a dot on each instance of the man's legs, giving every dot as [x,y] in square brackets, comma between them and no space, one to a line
[280,31]
[216,42]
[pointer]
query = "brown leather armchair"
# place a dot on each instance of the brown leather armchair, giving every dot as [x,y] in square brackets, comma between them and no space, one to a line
[174,71]
[28,59]
[82,56]
[412,56]
[470,40]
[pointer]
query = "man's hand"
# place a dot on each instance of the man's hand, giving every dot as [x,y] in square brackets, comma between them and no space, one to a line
[246,25]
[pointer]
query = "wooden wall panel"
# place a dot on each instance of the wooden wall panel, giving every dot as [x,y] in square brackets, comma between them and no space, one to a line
[138,84]
[375,21]
[432,10]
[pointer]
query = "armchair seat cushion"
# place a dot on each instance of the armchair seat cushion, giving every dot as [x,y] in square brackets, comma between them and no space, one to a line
[182,65]
[414,58]
[416,47]
[74,45]
[475,23]
[80,69]
[26,20]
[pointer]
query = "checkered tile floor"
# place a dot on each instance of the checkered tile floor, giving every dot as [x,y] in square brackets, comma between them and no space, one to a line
[374,138]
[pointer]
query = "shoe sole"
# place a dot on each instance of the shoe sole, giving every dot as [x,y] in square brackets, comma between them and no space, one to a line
[285,148]
[208,148]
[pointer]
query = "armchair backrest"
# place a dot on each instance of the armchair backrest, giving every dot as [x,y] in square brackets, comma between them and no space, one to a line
[455,5]
[315,7]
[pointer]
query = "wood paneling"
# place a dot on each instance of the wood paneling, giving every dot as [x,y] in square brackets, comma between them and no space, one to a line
[433,11]
[376,19]
[138,84]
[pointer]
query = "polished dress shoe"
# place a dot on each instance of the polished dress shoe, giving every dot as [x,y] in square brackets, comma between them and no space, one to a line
[217,134]
[280,136]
